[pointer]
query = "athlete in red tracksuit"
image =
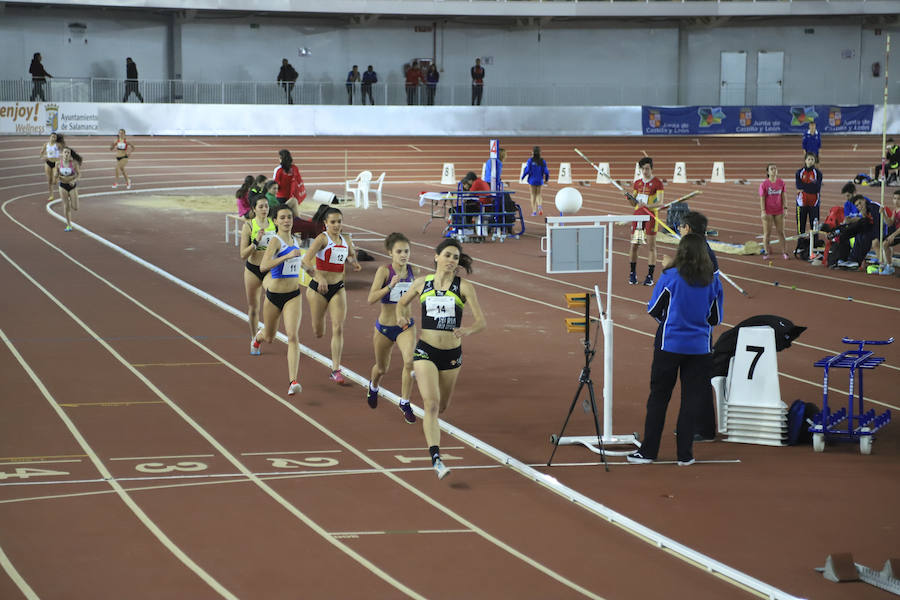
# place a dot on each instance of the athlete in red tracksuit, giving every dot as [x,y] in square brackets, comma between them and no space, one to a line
[809,184]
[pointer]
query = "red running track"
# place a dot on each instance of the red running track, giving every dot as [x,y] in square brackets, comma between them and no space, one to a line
[162,460]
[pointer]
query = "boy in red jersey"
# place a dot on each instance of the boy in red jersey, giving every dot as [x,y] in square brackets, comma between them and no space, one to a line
[648,192]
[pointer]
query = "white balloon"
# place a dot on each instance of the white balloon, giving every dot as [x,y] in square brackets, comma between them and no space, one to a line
[568,201]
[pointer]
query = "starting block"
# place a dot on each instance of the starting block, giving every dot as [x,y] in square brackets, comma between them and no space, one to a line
[680,175]
[448,174]
[603,173]
[565,173]
[841,568]
[718,172]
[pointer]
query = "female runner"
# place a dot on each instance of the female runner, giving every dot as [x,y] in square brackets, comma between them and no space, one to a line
[123,149]
[50,154]
[68,169]
[255,238]
[282,261]
[438,355]
[324,261]
[390,283]
[771,206]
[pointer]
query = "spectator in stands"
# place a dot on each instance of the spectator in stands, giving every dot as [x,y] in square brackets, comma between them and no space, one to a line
[431,80]
[368,78]
[413,79]
[891,163]
[812,141]
[477,73]
[353,78]
[287,77]
[131,80]
[38,77]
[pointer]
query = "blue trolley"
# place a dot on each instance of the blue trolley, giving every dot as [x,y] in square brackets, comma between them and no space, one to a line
[850,423]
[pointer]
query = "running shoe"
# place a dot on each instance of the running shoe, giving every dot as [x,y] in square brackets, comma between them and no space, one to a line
[686,463]
[255,349]
[541,211]
[648,280]
[785,256]
[534,213]
[372,396]
[295,388]
[115,185]
[765,256]
[128,186]
[636,458]
[632,279]
[886,270]
[441,469]
[338,377]
[406,409]
[68,228]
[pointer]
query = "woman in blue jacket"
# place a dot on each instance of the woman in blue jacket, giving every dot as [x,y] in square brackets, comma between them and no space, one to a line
[687,303]
[536,173]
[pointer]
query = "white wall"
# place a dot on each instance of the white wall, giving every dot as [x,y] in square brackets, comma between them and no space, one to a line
[623,63]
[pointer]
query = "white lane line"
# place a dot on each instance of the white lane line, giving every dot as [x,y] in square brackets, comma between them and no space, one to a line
[353,534]
[16,577]
[414,148]
[236,477]
[363,561]
[160,457]
[37,462]
[422,449]
[241,373]
[628,464]
[101,468]
[291,452]
[200,142]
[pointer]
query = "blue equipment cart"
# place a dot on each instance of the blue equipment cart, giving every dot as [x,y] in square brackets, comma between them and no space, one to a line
[851,423]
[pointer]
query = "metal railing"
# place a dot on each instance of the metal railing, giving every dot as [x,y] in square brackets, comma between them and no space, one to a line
[444,94]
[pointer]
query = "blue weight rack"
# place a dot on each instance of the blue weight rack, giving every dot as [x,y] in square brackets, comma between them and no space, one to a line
[852,423]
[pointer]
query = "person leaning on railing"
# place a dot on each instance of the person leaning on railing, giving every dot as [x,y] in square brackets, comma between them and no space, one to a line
[38,77]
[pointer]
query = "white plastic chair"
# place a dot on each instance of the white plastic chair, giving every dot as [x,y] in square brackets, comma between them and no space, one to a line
[360,188]
[377,189]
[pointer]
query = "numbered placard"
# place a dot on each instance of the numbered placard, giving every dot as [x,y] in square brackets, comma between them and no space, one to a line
[265,240]
[680,174]
[438,307]
[718,172]
[637,171]
[754,372]
[603,173]
[291,267]
[398,291]
[565,173]
[448,174]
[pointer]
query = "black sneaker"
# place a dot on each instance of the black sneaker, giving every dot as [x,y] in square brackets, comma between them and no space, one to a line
[372,396]
[408,416]
[648,280]
[636,458]
[632,279]
[702,438]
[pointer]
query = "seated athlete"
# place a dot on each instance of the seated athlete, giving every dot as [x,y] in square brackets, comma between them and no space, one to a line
[390,283]
[324,261]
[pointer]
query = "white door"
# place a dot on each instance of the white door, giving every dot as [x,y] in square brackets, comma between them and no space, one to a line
[769,77]
[734,78]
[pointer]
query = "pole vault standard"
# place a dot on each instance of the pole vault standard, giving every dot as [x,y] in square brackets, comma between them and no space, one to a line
[583,245]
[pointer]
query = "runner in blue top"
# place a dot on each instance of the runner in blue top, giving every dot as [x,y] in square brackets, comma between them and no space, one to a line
[282,261]
[390,283]
[687,303]
[438,355]
[537,174]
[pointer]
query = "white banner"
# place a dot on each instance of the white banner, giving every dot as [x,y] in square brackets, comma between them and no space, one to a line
[41,118]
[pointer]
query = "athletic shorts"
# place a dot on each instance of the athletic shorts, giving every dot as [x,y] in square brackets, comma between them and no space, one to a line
[121,157]
[333,289]
[255,270]
[650,227]
[68,186]
[279,299]
[391,331]
[444,360]
[50,163]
